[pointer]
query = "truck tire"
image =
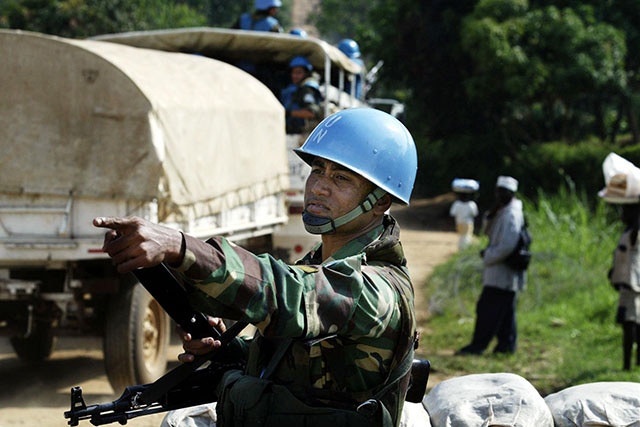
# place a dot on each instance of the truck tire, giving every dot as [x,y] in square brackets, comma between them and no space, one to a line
[136,337]
[38,345]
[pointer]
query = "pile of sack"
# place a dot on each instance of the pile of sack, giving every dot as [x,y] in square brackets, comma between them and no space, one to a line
[508,400]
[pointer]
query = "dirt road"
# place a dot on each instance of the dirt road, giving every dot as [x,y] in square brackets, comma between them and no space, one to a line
[39,396]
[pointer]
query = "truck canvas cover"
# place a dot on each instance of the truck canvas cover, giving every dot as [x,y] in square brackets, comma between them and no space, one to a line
[238,45]
[102,120]
[269,52]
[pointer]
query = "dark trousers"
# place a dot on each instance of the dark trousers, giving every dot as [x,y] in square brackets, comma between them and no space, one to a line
[495,317]
[630,335]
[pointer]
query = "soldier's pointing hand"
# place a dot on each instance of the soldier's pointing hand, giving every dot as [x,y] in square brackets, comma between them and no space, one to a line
[133,242]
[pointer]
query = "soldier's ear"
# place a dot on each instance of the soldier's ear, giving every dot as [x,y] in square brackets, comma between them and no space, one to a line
[383,203]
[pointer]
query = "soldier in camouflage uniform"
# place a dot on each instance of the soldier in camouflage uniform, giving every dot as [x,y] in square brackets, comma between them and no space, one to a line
[336,332]
[302,98]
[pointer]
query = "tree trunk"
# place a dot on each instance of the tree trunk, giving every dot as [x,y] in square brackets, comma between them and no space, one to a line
[633,120]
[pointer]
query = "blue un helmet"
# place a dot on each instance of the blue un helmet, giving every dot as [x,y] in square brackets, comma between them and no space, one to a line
[267,4]
[350,48]
[298,32]
[371,143]
[301,61]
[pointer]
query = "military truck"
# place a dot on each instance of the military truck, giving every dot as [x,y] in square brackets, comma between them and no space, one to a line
[159,124]
[91,128]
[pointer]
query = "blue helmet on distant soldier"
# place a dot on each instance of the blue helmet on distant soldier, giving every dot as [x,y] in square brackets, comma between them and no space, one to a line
[350,48]
[301,61]
[267,4]
[298,32]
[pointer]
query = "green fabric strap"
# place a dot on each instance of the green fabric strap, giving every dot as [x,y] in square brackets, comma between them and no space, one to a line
[331,225]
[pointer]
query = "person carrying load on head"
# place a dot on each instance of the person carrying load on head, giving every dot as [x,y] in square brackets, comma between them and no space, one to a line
[464,209]
[622,187]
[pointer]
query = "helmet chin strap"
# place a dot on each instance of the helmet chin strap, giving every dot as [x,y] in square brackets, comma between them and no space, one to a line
[320,225]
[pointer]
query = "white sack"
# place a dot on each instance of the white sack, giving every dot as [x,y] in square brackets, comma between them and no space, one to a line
[413,415]
[625,172]
[614,404]
[193,416]
[499,399]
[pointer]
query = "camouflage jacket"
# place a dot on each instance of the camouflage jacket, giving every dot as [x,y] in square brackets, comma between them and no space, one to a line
[344,315]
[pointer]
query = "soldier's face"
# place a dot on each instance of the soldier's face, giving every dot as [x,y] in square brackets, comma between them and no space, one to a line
[297,75]
[332,190]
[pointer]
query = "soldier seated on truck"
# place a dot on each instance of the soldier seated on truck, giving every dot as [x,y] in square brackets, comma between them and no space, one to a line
[336,332]
[262,19]
[302,98]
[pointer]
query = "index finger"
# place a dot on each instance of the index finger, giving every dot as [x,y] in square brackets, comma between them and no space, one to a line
[114,223]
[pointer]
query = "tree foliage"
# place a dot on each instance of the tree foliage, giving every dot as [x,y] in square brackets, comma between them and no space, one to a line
[340,19]
[84,18]
[502,64]
[543,74]
[419,43]
[490,77]
[221,13]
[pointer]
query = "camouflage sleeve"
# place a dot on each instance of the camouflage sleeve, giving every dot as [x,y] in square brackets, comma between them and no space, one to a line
[290,301]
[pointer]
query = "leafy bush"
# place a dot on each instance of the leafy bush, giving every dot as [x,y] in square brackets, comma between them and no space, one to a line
[547,167]
[466,156]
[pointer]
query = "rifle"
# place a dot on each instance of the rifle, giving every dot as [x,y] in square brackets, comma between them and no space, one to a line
[189,384]
[372,76]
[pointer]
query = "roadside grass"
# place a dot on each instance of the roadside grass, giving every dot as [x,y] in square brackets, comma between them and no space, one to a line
[567,333]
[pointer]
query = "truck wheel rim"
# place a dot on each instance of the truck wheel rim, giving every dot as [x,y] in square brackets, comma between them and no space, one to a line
[151,330]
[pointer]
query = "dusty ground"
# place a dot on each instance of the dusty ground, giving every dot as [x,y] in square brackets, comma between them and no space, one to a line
[39,396]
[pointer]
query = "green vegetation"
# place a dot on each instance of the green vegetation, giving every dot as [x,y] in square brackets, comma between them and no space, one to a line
[566,315]
[85,18]
[488,84]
